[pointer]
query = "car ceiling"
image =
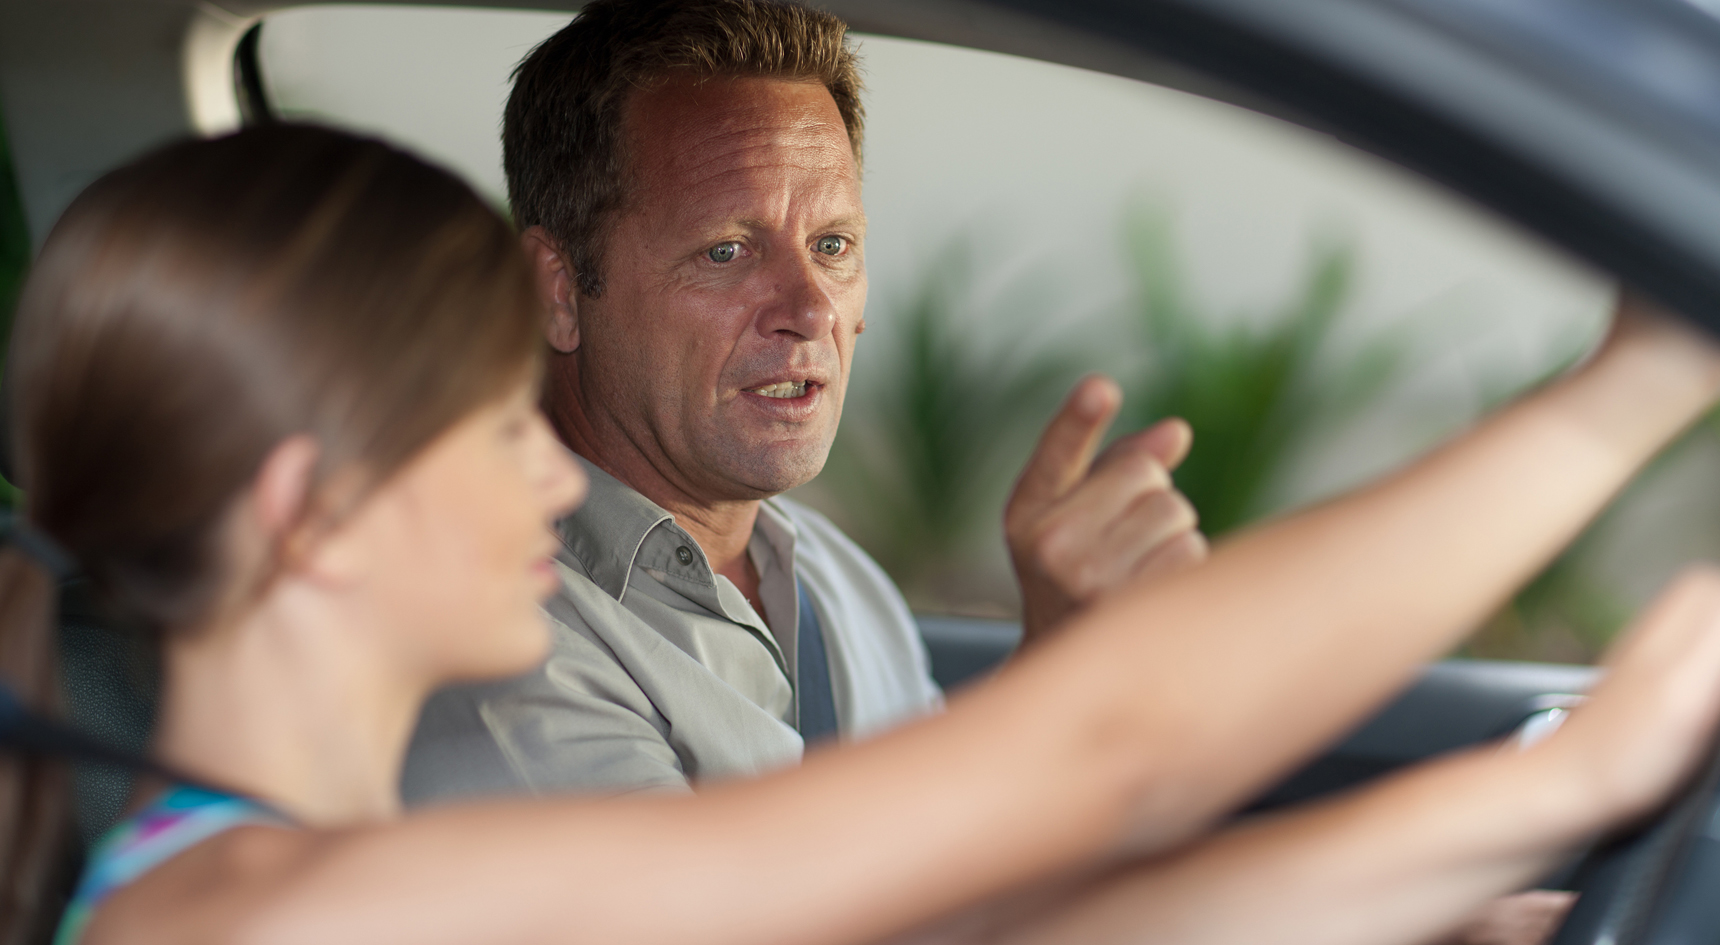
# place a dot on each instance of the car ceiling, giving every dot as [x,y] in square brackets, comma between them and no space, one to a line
[1595,123]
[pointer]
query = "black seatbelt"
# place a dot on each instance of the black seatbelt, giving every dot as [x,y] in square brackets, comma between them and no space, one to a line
[812,678]
[25,732]
[28,733]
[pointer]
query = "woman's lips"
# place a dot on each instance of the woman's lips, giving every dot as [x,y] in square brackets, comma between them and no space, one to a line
[543,570]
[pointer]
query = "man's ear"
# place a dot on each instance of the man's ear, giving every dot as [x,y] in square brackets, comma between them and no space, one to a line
[555,284]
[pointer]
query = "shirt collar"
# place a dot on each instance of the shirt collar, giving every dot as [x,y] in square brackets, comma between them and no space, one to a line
[776,528]
[606,531]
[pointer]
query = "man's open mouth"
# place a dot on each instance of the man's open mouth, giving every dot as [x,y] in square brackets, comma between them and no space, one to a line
[782,390]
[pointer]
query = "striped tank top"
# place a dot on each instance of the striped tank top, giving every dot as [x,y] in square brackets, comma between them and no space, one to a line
[176,821]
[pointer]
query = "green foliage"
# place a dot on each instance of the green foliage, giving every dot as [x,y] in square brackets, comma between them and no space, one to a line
[1571,610]
[1566,614]
[1254,390]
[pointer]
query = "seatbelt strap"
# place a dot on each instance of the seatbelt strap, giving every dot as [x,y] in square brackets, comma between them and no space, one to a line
[812,679]
[28,733]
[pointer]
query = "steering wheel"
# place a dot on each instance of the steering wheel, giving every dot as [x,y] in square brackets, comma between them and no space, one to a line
[1658,884]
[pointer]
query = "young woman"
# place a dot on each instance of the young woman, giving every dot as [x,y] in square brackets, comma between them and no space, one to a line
[274,392]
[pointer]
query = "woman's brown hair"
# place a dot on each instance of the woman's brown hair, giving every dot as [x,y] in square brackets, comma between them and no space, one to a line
[188,313]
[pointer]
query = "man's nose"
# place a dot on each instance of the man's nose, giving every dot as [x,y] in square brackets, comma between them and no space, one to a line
[799,303]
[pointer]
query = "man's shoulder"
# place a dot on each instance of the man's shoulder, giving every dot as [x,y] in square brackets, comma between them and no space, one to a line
[581,609]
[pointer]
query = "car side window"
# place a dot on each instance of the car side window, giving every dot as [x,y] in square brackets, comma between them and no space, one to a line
[1317,314]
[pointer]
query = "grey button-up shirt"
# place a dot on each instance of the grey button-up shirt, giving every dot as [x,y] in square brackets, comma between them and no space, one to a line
[662,673]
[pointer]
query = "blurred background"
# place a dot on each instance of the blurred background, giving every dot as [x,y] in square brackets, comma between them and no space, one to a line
[1318,316]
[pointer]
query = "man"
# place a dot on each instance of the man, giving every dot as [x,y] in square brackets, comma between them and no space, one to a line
[687,174]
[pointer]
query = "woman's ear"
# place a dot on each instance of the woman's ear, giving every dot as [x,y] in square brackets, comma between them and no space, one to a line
[281,492]
[555,284]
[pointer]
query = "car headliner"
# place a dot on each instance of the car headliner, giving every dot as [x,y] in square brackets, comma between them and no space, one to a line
[1595,123]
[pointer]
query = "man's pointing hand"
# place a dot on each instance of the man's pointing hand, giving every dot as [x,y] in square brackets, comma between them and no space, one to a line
[1079,526]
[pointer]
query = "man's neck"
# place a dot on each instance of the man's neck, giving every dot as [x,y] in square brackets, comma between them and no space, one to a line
[722,527]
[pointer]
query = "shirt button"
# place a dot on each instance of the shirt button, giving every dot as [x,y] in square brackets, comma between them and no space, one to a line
[684,554]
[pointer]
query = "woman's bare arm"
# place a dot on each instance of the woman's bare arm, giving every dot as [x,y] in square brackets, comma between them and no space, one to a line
[1410,858]
[1154,714]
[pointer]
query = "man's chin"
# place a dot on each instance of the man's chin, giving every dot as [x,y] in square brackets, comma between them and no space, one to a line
[775,473]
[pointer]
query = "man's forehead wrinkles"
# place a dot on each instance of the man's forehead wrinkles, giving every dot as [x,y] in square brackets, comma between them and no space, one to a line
[755,155]
[691,120]
[749,210]
[764,173]
[741,149]
[774,120]
[763,185]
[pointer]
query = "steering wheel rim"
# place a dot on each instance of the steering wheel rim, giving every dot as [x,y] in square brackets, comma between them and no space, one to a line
[1657,883]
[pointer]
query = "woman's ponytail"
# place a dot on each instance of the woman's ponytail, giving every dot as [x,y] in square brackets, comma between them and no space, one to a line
[34,789]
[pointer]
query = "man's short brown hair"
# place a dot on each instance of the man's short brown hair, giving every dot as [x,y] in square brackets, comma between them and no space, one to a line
[562,142]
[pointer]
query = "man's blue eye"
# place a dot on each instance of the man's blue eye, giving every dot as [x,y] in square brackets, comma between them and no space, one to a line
[831,245]
[723,252]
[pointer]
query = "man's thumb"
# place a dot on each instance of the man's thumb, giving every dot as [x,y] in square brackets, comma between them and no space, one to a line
[1169,441]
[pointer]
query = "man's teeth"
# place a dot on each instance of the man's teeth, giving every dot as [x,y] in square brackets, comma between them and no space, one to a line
[784,389]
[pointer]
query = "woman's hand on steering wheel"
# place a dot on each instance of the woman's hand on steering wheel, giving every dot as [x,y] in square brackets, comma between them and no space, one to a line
[1651,719]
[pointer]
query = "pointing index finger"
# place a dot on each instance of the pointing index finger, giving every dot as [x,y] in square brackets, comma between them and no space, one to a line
[1066,448]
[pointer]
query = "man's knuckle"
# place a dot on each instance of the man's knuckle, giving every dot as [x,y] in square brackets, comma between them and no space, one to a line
[1054,543]
[1174,511]
[1084,579]
[1141,466]
[1168,511]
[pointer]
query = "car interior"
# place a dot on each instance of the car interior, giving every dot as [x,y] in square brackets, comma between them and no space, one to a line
[1592,125]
